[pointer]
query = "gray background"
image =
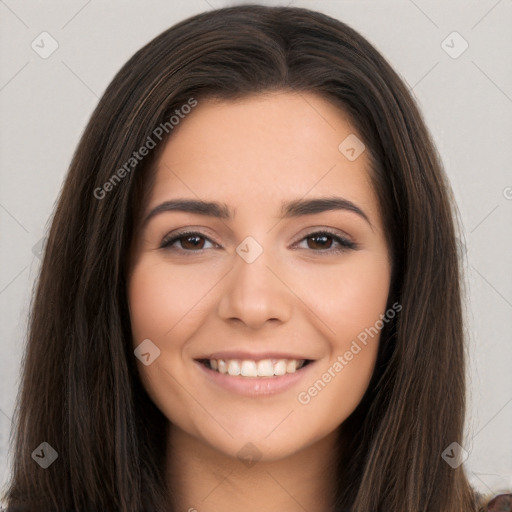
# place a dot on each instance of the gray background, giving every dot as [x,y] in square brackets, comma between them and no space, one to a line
[466,101]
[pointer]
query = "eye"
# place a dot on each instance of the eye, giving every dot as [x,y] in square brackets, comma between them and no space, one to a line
[323,241]
[190,241]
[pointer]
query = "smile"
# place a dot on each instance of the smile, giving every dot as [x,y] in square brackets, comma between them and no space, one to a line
[255,377]
[251,368]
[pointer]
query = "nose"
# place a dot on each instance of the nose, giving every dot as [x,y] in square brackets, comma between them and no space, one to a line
[255,293]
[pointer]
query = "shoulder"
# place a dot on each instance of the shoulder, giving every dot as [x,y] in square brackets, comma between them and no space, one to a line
[497,503]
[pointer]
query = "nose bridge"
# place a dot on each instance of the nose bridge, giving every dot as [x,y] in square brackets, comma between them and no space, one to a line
[253,293]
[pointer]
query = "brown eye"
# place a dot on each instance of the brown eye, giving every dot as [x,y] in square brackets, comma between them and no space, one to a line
[324,241]
[189,242]
[320,241]
[192,242]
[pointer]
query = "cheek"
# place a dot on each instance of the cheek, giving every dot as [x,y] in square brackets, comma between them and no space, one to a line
[348,297]
[160,298]
[162,310]
[353,313]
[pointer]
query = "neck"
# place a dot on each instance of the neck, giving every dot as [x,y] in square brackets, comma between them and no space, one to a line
[203,479]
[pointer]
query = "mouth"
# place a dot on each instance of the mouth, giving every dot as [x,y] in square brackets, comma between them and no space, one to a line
[250,368]
[254,378]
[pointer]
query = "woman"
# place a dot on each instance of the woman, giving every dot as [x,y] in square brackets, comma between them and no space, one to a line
[250,295]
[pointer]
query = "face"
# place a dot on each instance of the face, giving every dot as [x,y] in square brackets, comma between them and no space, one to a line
[266,281]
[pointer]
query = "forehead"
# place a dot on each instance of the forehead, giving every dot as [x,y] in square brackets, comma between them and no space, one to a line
[263,150]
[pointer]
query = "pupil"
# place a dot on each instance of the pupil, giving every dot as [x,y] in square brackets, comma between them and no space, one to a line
[193,237]
[322,237]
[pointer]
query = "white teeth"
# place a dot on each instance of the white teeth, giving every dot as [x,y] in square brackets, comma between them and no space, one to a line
[233,367]
[265,368]
[249,369]
[291,366]
[280,367]
[261,368]
[223,367]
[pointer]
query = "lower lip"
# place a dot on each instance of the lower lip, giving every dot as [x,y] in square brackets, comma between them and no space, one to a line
[255,386]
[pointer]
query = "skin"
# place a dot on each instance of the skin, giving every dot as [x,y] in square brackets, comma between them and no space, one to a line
[253,155]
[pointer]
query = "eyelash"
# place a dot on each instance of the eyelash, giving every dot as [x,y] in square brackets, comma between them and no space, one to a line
[344,243]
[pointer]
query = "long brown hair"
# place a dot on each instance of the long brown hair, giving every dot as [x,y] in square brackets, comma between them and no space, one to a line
[80,390]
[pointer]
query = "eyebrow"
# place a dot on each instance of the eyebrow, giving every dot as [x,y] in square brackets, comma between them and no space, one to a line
[296,208]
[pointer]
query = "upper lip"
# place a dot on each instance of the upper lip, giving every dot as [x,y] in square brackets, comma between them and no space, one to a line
[252,355]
